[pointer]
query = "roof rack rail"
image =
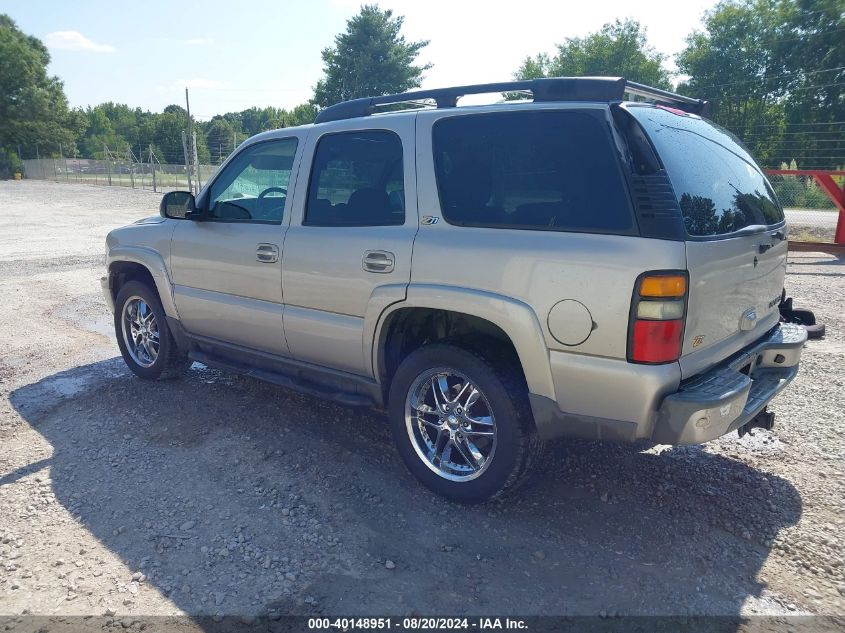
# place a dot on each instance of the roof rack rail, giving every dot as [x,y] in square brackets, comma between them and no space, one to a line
[545,89]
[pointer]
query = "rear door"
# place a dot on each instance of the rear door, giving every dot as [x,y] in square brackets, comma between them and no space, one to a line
[736,246]
[348,249]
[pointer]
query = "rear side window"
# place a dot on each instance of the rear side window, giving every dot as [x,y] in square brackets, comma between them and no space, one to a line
[357,180]
[530,170]
[719,187]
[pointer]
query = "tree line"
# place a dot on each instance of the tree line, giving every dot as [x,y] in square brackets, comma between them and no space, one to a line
[773,70]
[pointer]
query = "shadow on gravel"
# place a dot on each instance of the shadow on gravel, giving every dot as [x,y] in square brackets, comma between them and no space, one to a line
[236,497]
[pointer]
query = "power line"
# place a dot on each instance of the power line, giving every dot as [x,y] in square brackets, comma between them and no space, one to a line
[803,135]
[804,148]
[813,87]
[797,124]
[838,83]
[765,79]
[807,135]
[801,38]
[806,13]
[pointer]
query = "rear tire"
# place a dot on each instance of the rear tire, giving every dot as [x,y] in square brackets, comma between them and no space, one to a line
[143,336]
[463,446]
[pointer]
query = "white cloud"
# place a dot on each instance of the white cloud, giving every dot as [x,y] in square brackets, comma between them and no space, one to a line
[75,41]
[199,41]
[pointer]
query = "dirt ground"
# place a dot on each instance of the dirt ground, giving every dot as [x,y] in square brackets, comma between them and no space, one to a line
[221,495]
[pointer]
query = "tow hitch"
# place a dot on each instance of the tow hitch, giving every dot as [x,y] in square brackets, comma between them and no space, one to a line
[763,420]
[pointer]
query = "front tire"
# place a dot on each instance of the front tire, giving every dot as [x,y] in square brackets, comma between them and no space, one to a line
[143,336]
[462,424]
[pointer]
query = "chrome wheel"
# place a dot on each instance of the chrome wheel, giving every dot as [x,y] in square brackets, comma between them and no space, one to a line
[140,331]
[450,424]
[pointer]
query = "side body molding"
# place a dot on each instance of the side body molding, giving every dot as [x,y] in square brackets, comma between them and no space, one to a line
[514,317]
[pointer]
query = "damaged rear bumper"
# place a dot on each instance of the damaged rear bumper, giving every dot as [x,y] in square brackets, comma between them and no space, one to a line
[731,394]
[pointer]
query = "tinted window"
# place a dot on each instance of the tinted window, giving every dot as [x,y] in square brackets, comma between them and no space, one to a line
[718,185]
[530,170]
[357,180]
[254,186]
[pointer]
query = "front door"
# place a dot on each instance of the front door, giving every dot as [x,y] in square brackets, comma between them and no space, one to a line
[227,265]
[348,250]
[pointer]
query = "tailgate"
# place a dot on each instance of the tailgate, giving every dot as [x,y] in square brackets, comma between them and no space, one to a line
[734,293]
[736,238]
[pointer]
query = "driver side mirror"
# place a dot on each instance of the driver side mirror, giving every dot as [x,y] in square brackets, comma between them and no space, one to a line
[178,205]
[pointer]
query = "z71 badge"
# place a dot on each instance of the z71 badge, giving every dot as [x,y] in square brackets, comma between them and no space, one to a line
[698,340]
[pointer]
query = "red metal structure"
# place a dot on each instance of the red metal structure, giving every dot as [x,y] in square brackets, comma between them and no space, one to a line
[836,193]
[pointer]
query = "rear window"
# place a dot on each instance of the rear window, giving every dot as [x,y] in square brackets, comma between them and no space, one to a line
[719,187]
[530,170]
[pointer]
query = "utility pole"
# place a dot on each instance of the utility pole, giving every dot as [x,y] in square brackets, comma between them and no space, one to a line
[64,163]
[189,150]
[153,168]
[187,160]
[196,161]
[108,160]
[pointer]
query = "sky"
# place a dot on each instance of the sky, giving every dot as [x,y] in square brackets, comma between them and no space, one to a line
[257,53]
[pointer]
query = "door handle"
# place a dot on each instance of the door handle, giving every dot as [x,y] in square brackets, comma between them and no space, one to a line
[267,253]
[378,261]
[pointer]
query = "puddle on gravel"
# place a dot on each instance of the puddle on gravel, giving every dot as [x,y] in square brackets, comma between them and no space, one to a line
[87,313]
[57,388]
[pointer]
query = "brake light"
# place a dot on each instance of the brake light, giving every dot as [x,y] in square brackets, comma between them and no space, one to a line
[658,311]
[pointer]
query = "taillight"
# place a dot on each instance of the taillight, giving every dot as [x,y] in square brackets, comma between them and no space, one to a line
[658,309]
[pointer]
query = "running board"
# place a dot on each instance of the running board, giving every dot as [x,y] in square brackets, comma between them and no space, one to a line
[283,380]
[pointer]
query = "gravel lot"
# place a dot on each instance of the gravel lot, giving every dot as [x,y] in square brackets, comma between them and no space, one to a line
[222,495]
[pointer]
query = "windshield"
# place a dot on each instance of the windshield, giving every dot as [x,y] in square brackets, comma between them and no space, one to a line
[719,187]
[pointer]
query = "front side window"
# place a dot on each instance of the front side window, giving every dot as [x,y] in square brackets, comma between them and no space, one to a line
[254,186]
[542,170]
[357,180]
[719,187]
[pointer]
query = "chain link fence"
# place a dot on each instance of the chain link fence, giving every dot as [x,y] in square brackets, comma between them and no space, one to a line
[152,176]
[810,212]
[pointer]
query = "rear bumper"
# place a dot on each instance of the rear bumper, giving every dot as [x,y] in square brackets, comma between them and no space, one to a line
[727,396]
[608,399]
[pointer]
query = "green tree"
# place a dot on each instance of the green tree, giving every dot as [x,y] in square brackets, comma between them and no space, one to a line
[812,47]
[219,136]
[371,57]
[728,64]
[301,115]
[619,49]
[100,135]
[168,136]
[33,106]
[773,72]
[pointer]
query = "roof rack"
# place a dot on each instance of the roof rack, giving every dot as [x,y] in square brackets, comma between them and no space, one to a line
[542,90]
